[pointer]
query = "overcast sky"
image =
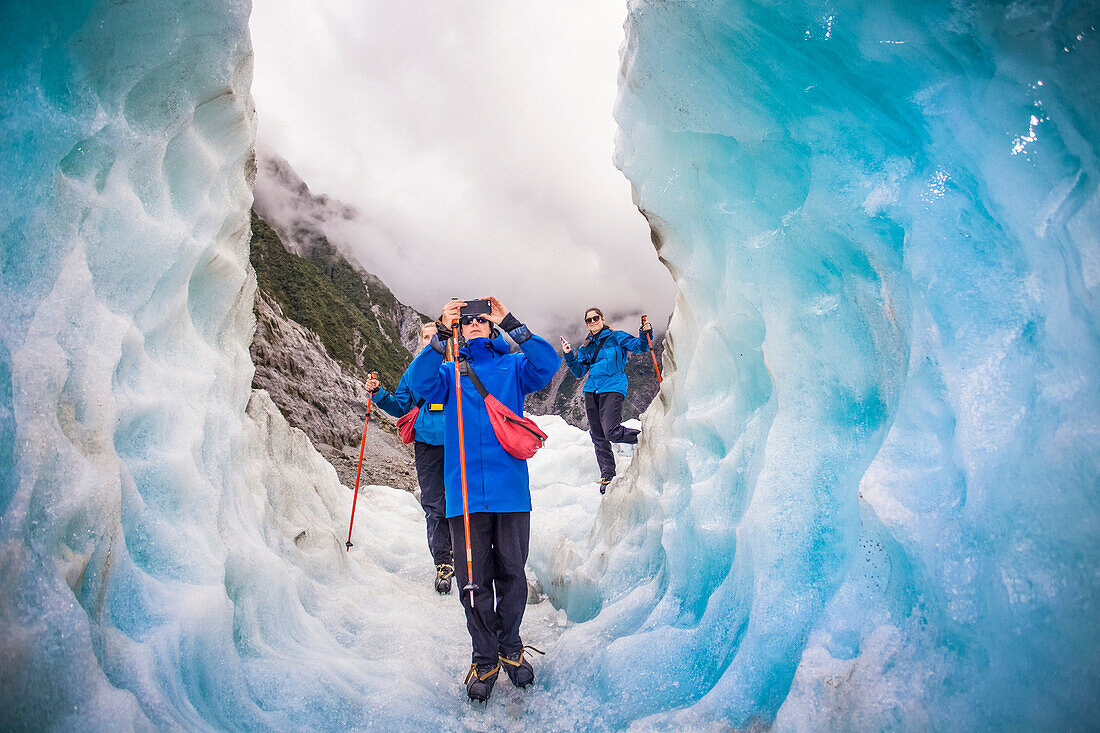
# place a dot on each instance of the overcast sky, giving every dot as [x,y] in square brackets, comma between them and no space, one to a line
[476,140]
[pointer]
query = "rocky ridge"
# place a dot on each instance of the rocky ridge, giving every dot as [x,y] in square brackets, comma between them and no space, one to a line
[323,323]
[326,400]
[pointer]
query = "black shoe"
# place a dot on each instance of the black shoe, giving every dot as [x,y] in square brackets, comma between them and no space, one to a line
[443,574]
[519,669]
[604,482]
[480,680]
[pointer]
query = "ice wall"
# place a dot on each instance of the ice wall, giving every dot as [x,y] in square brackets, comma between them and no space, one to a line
[124,368]
[867,498]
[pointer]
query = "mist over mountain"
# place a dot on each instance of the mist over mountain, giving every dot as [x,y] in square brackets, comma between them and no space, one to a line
[310,279]
[318,334]
[323,323]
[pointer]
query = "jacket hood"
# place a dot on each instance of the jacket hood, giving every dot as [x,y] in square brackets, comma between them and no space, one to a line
[496,345]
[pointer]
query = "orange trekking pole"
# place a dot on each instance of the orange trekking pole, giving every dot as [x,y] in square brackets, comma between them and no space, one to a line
[650,342]
[370,400]
[470,586]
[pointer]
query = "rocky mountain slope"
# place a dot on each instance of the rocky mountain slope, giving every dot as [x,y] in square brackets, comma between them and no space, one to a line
[325,399]
[323,322]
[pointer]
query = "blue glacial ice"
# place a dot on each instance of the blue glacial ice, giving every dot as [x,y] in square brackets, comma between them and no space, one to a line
[867,494]
[875,461]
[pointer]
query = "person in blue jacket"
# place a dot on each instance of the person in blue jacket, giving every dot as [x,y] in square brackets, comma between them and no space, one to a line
[497,488]
[603,357]
[428,453]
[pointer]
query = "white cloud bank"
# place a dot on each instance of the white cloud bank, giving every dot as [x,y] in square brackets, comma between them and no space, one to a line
[475,138]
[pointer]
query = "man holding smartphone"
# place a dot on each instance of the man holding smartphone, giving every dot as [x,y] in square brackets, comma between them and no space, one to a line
[497,487]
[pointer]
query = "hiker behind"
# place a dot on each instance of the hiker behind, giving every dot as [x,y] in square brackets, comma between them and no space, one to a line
[603,357]
[497,490]
[428,452]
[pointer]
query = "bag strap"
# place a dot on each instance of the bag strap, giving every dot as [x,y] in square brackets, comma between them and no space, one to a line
[599,345]
[468,369]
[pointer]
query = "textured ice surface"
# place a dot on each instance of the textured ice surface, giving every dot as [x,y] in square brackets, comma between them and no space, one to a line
[866,498]
[127,313]
[883,221]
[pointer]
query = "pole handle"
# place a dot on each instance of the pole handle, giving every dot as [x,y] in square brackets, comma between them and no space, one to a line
[654,356]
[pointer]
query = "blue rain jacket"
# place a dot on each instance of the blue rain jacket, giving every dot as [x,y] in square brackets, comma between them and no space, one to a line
[429,421]
[606,373]
[495,481]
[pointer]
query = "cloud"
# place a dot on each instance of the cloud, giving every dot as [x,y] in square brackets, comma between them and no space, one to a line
[474,138]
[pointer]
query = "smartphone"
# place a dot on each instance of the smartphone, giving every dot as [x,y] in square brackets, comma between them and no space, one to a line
[478,307]
[564,343]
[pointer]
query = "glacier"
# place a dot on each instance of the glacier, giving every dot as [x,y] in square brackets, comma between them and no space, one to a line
[866,497]
[876,458]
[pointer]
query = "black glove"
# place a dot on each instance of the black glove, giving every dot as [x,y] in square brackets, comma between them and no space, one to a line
[444,332]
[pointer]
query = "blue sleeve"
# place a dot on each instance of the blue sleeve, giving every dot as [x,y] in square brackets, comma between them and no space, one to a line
[405,394]
[576,365]
[402,399]
[537,364]
[428,377]
[386,401]
[632,343]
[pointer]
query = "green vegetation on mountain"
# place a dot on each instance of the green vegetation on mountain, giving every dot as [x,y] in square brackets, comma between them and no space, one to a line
[325,294]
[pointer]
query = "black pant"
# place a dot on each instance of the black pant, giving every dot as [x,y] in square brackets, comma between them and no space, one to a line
[429,473]
[499,545]
[605,413]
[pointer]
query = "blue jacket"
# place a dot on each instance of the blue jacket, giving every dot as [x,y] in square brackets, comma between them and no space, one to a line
[495,481]
[605,374]
[429,421]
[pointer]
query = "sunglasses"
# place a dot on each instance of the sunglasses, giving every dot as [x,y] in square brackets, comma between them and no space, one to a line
[592,319]
[467,320]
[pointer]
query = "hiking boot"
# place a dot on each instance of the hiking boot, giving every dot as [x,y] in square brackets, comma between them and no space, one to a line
[443,574]
[480,680]
[519,669]
[604,483]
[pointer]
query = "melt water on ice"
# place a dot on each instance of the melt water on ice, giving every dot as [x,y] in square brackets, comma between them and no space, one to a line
[867,495]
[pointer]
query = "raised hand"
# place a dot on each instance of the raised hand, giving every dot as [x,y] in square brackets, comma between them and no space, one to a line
[498,312]
[452,311]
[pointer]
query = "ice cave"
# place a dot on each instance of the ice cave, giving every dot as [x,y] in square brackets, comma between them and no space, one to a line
[868,497]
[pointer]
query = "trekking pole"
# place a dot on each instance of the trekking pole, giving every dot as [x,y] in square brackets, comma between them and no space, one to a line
[470,586]
[370,400]
[650,342]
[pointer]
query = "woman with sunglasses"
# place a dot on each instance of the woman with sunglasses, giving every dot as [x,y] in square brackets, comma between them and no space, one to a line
[603,357]
[428,454]
[497,488]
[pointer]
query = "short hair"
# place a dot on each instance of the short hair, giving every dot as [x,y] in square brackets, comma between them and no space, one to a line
[589,310]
